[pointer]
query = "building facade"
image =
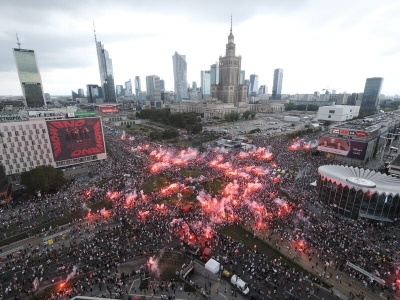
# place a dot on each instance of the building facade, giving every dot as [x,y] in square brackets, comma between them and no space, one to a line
[29,77]
[359,193]
[138,86]
[338,113]
[153,88]
[94,93]
[180,76]
[106,73]
[214,73]
[277,86]
[51,140]
[205,85]
[128,88]
[229,89]
[372,90]
[253,88]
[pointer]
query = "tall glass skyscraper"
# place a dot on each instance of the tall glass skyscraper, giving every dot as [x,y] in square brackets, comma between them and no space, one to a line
[106,73]
[214,73]
[253,88]
[277,87]
[372,90]
[29,77]
[138,86]
[153,87]
[205,85]
[180,76]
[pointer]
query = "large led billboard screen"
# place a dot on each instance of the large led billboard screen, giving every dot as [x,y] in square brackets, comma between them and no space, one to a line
[74,138]
[348,148]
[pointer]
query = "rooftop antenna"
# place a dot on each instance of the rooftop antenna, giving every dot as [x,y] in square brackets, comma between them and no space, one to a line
[231,23]
[94,31]
[18,43]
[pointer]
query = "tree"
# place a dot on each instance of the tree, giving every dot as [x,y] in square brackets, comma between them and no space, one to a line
[44,179]
[231,117]
[246,114]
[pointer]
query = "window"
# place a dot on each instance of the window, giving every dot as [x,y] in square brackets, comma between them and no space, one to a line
[5,146]
[331,111]
[329,117]
[13,128]
[40,125]
[9,133]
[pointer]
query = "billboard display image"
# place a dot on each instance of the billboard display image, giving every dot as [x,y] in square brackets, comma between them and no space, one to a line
[348,148]
[73,138]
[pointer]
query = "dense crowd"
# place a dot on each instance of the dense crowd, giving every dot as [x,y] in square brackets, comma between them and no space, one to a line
[274,205]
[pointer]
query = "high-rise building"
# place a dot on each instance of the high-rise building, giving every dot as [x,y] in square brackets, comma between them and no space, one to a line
[29,77]
[263,90]
[180,76]
[128,87]
[372,90]
[242,77]
[138,86]
[277,87]
[153,88]
[119,90]
[229,89]
[81,93]
[162,85]
[93,93]
[205,86]
[214,73]
[106,72]
[253,88]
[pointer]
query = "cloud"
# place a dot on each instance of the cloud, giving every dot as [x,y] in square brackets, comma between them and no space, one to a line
[317,43]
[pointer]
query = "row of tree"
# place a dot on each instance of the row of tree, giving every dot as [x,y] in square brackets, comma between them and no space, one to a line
[188,121]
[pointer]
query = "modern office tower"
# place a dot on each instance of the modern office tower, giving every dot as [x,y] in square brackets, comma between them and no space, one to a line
[277,87]
[180,76]
[214,73]
[162,85]
[153,88]
[93,92]
[263,90]
[194,86]
[205,86]
[138,86]
[128,87]
[247,83]
[242,77]
[29,77]
[74,95]
[81,93]
[106,72]
[253,88]
[119,90]
[229,89]
[372,90]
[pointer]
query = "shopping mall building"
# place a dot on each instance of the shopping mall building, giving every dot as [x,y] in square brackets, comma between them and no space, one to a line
[359,193]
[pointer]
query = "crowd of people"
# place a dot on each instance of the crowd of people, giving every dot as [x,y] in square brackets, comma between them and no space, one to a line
[273,204]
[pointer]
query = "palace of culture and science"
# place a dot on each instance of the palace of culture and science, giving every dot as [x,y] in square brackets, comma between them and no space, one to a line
[228,95]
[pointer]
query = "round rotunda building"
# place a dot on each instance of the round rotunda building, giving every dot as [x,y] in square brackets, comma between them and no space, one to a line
[355,192]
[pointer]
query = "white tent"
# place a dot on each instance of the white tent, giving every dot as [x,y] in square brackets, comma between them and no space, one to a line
[314,183]
[213,266]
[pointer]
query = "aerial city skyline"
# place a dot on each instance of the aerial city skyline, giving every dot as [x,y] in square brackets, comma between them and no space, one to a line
[316,53]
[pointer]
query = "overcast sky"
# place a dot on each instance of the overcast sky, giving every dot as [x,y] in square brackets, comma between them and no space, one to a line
[319,43]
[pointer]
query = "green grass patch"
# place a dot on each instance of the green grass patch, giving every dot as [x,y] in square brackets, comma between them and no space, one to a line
[139,129]
[155,183]
[214,186]
[188,197]
[191,173]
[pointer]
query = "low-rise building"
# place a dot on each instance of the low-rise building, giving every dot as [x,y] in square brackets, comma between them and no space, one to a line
[338,113]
